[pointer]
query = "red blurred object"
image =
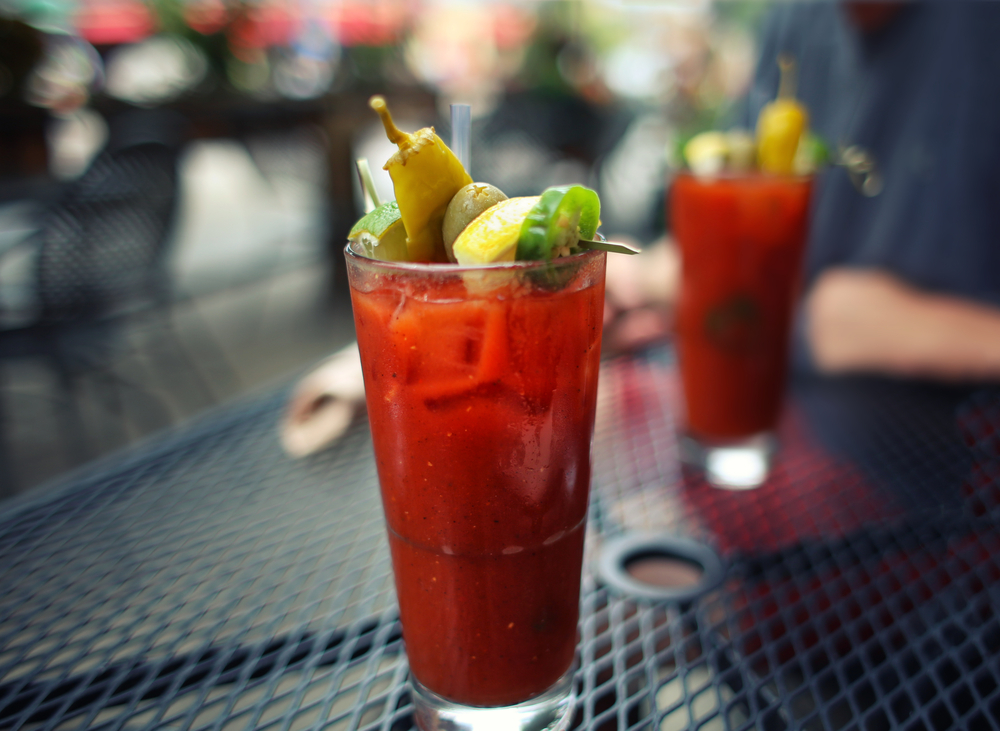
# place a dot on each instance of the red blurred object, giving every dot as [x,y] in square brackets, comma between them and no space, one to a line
[379,23]
[512,26]
[263,26]
[871,17]
[110,22]
[207,16]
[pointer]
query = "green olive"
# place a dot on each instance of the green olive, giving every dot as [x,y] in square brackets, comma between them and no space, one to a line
[464,207]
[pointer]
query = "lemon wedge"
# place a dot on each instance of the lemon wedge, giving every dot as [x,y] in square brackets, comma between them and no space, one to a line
[493,234]
[706,153]
[380,234]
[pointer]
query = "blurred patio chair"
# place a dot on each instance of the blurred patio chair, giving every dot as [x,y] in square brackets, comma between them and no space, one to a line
[99,258]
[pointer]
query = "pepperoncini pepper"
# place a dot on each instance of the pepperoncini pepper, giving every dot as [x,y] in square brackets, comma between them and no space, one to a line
[425,176]
[781,124]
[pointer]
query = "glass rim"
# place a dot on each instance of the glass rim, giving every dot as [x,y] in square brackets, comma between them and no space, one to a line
[449,268]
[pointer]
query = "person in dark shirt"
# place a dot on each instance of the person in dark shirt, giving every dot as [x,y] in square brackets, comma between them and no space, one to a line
[906,281]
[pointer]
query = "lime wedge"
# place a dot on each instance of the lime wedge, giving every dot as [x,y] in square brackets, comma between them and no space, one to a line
[493,234]
[380,234]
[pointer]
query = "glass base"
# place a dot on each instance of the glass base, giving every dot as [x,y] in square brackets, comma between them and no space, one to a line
[737,464]
[550,711]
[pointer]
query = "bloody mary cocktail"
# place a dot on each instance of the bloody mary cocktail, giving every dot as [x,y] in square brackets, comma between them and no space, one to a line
[481,388]
[741,239]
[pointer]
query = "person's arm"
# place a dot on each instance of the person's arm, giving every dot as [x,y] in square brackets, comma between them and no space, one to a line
[869,321]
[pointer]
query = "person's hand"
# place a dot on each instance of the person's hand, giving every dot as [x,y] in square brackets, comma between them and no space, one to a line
[871,321]
[640,292]
[324,403]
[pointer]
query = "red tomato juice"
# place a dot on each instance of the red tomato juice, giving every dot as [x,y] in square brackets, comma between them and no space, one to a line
[481,401]
[741,240]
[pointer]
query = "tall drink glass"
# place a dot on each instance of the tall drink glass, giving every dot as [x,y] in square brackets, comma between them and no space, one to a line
[742,239]
[481,387]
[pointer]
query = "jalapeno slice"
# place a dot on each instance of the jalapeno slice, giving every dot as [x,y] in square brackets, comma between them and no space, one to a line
[562,216]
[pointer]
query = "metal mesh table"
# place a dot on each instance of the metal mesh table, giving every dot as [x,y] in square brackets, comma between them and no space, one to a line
[207,581]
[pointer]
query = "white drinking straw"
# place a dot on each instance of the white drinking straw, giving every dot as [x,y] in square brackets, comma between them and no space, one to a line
[461,133]
[368,190]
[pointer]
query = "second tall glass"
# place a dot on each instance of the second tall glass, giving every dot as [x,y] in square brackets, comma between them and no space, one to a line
[742,239]
[481,387]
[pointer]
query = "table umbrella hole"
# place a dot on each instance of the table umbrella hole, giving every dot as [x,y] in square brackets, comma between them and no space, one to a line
[660,567]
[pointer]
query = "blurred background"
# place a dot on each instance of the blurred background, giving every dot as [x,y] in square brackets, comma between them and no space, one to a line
[177,176]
